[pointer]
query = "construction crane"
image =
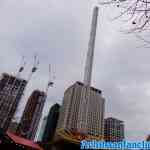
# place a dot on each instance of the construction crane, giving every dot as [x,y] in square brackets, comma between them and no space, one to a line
[22,66]
[33,70]
[50,82]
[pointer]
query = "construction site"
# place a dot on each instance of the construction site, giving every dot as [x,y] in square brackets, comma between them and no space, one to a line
[81,115]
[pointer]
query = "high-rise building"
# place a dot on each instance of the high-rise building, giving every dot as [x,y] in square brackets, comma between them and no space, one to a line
[113,130]
[73,119]
[51,124]
[82,112]
[31,116]
[11,91]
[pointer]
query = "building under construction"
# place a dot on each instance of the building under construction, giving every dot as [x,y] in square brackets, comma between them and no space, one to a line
[15,122]
[32,114]
[11,91]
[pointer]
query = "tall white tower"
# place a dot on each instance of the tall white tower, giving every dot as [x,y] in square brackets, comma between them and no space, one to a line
[82,112]
[91,47]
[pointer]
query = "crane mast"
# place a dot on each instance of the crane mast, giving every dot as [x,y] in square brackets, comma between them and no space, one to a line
[50,82]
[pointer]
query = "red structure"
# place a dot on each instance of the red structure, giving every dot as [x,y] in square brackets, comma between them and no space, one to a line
[11,141]
[24,142]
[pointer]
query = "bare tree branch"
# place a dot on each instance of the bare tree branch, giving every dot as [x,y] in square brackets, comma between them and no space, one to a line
[138,10]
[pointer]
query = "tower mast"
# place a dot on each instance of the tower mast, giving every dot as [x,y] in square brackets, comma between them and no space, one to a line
[91,46]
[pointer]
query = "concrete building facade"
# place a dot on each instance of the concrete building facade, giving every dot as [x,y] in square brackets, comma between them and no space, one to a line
[82,110]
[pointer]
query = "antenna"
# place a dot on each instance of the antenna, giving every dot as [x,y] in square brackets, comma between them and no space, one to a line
[33,70]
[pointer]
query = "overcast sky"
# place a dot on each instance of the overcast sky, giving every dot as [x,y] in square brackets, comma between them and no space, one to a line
[59,32]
